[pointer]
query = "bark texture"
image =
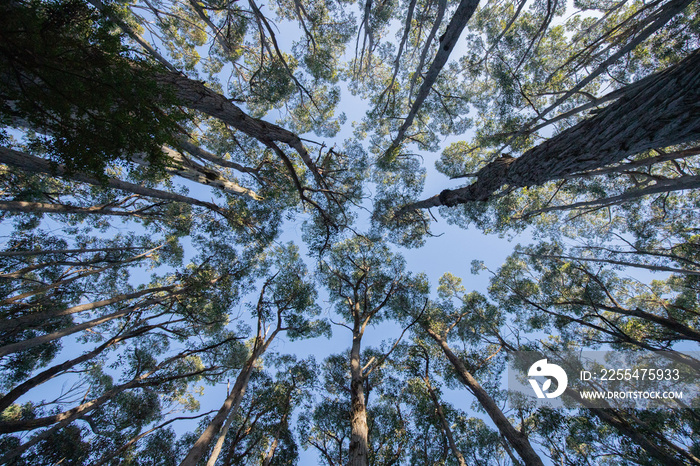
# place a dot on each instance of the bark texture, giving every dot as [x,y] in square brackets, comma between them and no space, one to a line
[221,422]
[663,113]
[359,448]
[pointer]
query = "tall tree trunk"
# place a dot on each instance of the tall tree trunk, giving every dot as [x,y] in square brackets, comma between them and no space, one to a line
[33,164]
[194,95]
[359,448]
[445,425]
[517,439]
[663,113]
[464,12]
[224,417]
[48,208]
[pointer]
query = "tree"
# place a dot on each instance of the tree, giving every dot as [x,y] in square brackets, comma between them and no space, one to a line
[156,156]
[286,301]
[366,282]
[667,95]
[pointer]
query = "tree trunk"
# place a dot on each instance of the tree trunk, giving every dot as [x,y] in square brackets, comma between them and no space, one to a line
[224,417]
[44,207]
[445,425]
[663,113]
[517,439]
[33,164]
[464,12]
[359,448]
[195,95]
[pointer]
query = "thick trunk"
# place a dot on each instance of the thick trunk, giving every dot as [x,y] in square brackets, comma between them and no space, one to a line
[517,439]
[663,113]
[195,95]
[445,425]
[359,448]
[464,12]
[107,458]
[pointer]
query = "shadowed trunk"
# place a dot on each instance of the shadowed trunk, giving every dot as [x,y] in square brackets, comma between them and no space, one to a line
[444,424]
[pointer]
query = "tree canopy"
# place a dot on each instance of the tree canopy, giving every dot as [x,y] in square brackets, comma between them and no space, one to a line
[208,209]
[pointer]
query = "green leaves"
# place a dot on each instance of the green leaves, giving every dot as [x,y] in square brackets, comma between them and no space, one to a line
[67,75]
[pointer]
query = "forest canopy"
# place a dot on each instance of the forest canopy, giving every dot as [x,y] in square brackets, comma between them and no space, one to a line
[209,207]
